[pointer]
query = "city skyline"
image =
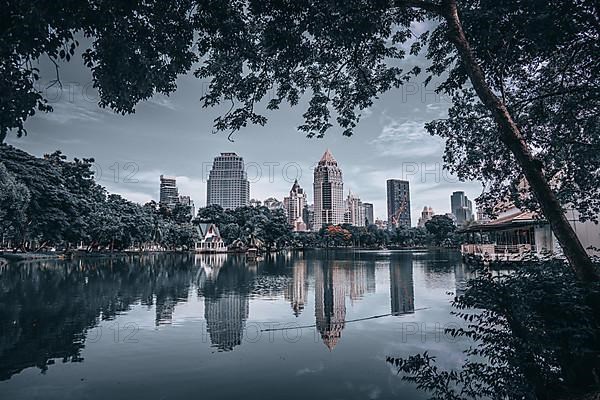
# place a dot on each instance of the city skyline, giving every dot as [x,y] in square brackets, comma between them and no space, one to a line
[389,142]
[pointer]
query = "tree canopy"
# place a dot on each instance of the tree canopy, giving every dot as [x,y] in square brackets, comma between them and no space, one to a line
[523,76]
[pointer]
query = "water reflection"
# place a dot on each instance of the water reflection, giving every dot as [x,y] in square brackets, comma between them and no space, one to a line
[47,308]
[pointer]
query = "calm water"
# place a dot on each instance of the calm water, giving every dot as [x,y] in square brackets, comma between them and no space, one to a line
[294,326]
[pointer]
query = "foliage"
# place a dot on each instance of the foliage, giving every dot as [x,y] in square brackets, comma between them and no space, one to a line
[269,226]
[53,201]
[14,199]
[535,335]
[442,228]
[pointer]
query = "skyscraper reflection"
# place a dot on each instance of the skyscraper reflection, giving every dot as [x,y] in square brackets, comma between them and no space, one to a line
[298,287]
[226,300]
[330,302]
[402,294]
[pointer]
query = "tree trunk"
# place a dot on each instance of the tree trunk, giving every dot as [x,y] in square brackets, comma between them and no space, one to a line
[511,136]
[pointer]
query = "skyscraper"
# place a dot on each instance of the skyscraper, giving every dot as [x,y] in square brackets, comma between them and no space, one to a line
[187,201]
[294,205]
[426,215]
[369,215]
[169,195]
[461,207]
[308,216]
[328,192]
[228,184]
[398,203]
[355,212]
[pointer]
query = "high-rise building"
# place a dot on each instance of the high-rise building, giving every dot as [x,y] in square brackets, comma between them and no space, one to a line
[294,205]
[187,201]
[369,217]
[426,215]
[398,203]
[169,196]
[228,184]
[461,207]
[355,212]
[308,216]
[328,192]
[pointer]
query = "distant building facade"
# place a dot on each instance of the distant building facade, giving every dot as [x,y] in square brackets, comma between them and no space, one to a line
[461,207]
[169,195]
[255,203]
[398,203]
[187,201]
[328,187]
[294,206]
[354,213]
[273,204]
[369,215]
[308,216]
[228,184]
[426,215]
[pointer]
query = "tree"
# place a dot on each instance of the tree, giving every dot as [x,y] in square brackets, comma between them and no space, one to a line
[14,200]
[441,227]
[523,76]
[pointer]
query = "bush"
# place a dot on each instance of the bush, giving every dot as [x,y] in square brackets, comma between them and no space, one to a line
[536,336]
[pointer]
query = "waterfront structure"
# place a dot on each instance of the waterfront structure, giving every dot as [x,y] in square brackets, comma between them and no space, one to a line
[308,216]
[294,206]
[354,213]
[228,184]
[169,195]
[516,233]
[369,217]
[187,201]
[328,193]
[426,215]
[398,203]
[461,207]
[210,240]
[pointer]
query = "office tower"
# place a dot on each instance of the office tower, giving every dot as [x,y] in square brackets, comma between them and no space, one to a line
[308,216]
[355,212]
[398,203]
[461,207]
[187,201]
[328,192]
[294,206]
[169,196]
[228,184]
[426,215]
[369,217]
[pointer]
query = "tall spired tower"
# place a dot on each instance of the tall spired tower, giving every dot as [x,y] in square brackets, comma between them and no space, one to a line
[328,192]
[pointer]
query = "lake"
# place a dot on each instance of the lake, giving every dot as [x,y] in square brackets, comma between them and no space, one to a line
[317,324]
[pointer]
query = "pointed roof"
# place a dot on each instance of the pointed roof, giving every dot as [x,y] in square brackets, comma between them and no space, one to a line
[295,186]
[328,158]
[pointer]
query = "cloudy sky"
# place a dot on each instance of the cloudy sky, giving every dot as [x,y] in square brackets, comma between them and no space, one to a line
[173,136]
